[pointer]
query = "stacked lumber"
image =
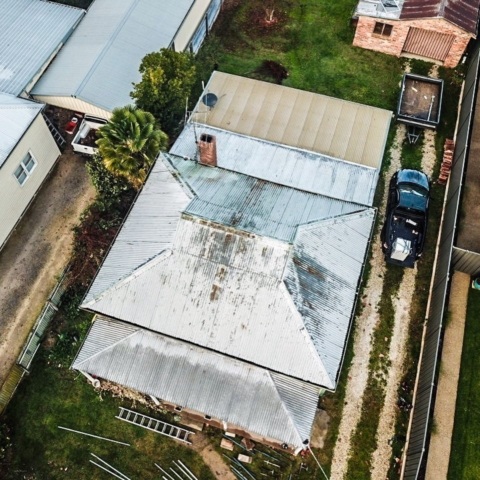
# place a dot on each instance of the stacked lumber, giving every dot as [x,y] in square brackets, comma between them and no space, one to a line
[447,161]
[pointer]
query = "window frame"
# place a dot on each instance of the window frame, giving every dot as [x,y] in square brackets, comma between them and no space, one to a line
[383,26]
[29,157]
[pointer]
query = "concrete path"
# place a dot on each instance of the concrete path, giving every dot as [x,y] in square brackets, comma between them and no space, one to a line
[441,439]
[37,252]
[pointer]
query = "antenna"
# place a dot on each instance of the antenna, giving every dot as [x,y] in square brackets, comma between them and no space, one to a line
[210,100]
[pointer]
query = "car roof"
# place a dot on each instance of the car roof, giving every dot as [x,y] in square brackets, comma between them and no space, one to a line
[413,176]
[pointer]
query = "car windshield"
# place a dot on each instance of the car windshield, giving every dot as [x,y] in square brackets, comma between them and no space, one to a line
[412,197]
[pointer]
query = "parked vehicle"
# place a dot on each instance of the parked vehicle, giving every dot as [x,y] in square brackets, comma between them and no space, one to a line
[84,141]
[403,233]
[420,103]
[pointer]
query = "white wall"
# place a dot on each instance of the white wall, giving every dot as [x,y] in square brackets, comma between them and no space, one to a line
[15,198]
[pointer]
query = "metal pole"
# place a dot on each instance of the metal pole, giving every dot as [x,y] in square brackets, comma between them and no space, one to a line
[173,471]
[94,436]
[163,471]
[318,463]
[189,474]
[108,471]
[114,469]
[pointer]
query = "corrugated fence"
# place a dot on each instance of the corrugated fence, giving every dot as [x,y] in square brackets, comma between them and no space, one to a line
[425,396]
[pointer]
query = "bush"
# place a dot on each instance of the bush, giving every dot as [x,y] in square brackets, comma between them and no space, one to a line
[106,183]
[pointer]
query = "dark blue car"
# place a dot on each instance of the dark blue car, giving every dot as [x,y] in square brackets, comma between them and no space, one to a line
[405,227]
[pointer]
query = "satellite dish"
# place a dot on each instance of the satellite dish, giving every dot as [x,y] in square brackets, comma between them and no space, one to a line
[210,99]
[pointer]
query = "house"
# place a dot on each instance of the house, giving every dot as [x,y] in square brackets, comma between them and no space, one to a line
[95,70]
[230,290]
[31,33]
[432,30]
[27,154]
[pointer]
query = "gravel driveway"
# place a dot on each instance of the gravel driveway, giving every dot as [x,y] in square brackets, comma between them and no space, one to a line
[37,252]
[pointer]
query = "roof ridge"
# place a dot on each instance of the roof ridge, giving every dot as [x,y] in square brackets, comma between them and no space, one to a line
[284,407]
[114,344]
[164,254]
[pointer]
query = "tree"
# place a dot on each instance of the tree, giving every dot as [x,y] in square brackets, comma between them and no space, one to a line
[167,81]
[130,142]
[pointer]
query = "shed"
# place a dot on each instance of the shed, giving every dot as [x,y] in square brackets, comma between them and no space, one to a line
[94,71]
[432,30]
[31,34]
[27,154]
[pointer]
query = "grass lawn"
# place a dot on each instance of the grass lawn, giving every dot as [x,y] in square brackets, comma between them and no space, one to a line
[464,459]
[313,40]
[53,396]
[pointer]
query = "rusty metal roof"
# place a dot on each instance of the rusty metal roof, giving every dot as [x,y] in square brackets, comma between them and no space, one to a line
[249,261]
[463,13]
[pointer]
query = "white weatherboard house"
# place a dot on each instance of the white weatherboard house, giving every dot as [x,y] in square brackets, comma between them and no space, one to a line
[94,72]
[27,154]
[31,33]
[229,292]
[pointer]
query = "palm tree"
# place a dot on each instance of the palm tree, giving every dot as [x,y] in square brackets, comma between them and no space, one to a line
[130,142]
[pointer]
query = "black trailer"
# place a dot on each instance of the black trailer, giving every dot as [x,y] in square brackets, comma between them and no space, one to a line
[420,103]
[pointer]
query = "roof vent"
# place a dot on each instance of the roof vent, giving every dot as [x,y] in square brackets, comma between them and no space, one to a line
[208,150]
[210,100]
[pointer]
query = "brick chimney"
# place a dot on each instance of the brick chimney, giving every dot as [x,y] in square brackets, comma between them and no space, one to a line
[208,150]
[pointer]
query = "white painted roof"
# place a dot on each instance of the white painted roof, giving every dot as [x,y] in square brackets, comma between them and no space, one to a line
[16,115]
[249,397]
[241,276]
[103,56]
[30,32]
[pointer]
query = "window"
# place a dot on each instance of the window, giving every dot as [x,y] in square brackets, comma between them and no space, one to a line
[25,169]
[178,408]
[383,29]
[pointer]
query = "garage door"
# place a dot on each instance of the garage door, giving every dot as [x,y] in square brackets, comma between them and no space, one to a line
[427,43]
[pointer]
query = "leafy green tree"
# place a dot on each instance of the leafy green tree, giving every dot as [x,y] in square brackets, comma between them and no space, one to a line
[130,142]
[167,81]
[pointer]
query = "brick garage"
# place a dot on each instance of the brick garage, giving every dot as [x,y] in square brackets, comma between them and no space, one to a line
[393,44]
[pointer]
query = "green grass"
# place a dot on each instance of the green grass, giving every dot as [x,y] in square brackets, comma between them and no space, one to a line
[464,460]
[313,40]
[53,396]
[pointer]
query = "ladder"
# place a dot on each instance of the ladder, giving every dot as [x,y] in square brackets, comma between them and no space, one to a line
[55,133]
[155,425]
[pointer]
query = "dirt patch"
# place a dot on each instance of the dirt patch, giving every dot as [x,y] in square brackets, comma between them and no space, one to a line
[37,252]
[211,457]
[365,326]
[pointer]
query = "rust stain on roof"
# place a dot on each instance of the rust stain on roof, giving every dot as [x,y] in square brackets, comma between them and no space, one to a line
[463,13]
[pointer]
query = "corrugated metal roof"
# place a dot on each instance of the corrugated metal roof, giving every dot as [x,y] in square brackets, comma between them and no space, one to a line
[16,115]
[30,32]
[268,404]
[322,277]
[148,230]
[346,130]
[221,285]
[292,167]
[252,205]
[102,57]
[463,13]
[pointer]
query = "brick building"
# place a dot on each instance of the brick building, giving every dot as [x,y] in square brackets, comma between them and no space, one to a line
[433,30]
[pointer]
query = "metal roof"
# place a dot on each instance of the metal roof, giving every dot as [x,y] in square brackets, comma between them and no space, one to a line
[238,251]
[292,167]
[103,56]
[463,13]
[271,405]
[330,126]
[30,32]
[16,115]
